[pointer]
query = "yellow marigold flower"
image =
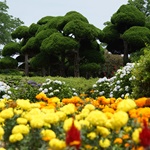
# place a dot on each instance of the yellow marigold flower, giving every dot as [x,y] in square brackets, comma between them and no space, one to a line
[7,113]
[118,141]
[2,104]
[68,109]
[97,118]
[41,96]
[55,99]
[84,113]
[89,147]
[61,115]
[103,131]
[57,144]
[119,119]
[2,148]
[18,111]
[89,106]
[22,120]
[104,143]
[23,129]
[15,137]
[109,115]
[127,129]
[48,135]
[35,105]
[68,123]
[23,104]
[2,120]
[126,105]
[84,123]
[1,131]
[135,135]
[91,135]
[37,122]
[51,118]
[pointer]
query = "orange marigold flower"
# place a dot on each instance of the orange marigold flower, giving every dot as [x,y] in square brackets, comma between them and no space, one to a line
[118,141]
[108,109]
[126,145]
[125,137]
[140,102]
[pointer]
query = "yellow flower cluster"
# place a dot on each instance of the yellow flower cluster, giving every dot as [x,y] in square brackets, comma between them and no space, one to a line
[57,144]
[95,121]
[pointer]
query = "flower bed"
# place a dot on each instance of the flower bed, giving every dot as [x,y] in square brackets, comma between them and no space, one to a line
[74,123]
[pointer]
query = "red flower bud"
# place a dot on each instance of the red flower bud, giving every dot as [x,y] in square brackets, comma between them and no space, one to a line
[145,135]
[73,137]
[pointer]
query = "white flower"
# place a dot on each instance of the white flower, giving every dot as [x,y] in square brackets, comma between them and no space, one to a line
[51,94]
[73,89]
[9,92]
[57,82]
[118,82]
[122,95]
[75,94]
[55,91]
[6,96]
[111,95]
[45,90]
[101,93]
[50,88]
[126,88]
[40,89]
[100,80]
[94,85]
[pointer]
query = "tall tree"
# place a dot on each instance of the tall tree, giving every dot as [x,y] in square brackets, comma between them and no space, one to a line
[126,17]
[8,23]
[142,5]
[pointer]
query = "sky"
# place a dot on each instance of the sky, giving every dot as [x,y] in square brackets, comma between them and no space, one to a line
[96,11]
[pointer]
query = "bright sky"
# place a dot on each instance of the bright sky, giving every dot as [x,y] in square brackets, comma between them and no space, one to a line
[96,11]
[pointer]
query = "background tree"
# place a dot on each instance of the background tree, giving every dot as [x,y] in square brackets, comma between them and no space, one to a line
[126,17]
[8,23]
[64,38]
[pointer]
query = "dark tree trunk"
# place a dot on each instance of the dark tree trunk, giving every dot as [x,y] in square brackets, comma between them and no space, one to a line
[43,72]
[26,65]
[125,57]
[76,63]
[62,65]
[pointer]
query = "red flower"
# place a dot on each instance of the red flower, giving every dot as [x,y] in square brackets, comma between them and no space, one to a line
[145,135]
[73,137]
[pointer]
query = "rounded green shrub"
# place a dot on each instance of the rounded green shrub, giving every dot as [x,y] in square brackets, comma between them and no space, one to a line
[141,72]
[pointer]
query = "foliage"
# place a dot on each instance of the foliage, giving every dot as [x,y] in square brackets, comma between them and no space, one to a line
[56,88]
[116,86]
[126,16]
[22,88]
[142,5]
[8,23]
[4,90]
[59,37]
[137,36]
[141,72]
[8,63]
[11,49]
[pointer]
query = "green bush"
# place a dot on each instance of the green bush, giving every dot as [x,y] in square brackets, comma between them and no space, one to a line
[141,72]
[8,62]
[22,88]
[57,88]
